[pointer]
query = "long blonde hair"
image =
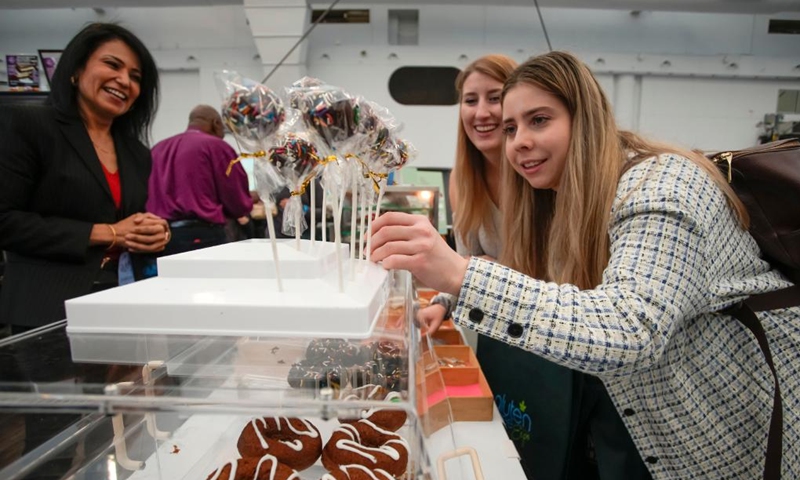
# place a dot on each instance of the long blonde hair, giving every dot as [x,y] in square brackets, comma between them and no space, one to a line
[564,237]
[472,206]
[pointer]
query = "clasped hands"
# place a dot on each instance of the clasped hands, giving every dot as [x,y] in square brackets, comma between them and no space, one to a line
[143,233]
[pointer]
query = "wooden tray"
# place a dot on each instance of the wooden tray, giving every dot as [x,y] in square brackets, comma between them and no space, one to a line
[471,399]
[425,295]
[447,334]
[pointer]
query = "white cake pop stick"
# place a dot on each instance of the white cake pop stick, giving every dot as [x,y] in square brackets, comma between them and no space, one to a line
[324,215]
[337,227]
[313,206]
[271,230]
[353,218]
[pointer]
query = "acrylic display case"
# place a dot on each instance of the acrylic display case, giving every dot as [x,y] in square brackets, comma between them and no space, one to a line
[98,397]
[117,406]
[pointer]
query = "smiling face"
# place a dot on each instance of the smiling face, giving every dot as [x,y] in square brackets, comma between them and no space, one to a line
[109,83]
[481,113]
[538,129]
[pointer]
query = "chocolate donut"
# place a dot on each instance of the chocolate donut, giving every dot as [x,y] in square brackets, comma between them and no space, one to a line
[364,443]
[364,374]
[264,468]
[306,374]
[295,442]
[357,472]
[337,350]
[338,363]
[390,365]
[386,418]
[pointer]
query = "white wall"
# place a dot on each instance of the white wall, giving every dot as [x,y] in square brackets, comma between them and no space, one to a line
[699,99]
[722,113]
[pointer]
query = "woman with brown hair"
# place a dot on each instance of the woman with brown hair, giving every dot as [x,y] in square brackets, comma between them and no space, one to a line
[630,251]
[536,413]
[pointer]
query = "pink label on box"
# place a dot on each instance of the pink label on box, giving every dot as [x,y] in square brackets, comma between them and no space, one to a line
[472,390]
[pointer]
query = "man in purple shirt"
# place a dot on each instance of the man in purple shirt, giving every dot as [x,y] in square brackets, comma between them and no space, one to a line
[195,184]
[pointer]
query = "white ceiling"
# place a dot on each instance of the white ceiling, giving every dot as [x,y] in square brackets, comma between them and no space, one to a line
[721,6]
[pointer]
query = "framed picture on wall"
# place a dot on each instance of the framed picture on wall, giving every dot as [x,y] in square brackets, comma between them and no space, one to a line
[23,72]
[49,62]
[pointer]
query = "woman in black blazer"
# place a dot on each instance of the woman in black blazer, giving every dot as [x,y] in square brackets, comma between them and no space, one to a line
[73,178]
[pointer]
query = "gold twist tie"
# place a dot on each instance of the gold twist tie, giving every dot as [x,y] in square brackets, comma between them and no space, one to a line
[321,161]
[260,153]
[376,177]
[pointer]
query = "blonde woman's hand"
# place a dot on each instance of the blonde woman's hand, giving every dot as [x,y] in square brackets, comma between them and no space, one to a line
[409,242]
[431,317]
[145,233]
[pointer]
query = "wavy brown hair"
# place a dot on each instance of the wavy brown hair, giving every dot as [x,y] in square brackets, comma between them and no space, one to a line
[472,201]
[563,237]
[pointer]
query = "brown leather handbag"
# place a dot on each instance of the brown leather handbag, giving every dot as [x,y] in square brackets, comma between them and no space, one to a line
[767,180]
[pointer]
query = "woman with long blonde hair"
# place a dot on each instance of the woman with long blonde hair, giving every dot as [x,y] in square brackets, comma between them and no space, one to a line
[620,258]
[536,413]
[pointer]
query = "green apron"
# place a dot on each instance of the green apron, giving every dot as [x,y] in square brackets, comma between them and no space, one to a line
[534,397]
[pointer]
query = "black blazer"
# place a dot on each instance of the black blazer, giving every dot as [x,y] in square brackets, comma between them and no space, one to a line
[52,190]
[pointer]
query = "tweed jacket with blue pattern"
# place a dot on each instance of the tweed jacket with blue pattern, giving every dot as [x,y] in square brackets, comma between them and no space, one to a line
[691,385]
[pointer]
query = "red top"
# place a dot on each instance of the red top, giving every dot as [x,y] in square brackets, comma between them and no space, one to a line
[114,185]
[116,193]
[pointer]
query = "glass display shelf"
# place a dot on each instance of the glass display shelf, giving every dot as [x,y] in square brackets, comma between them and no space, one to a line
[146,406]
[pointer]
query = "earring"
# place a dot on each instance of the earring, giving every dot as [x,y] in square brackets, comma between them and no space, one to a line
[74,80]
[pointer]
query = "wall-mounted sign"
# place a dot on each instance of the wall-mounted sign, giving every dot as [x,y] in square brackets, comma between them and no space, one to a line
[23,72]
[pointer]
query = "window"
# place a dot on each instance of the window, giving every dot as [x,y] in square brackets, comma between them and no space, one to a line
[786,27]
[341,16]
[424,85]
[788,101]
[403,27]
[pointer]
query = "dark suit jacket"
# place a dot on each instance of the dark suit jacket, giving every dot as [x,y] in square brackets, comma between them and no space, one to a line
[52,190]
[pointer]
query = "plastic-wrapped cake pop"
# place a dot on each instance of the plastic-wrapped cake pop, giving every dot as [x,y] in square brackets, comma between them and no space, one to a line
[295,157]
[253,114]
[333,115]
[377,145]
[298,161]
[398,153]
[328,110]
[298,90]
[250,110]
[376,126]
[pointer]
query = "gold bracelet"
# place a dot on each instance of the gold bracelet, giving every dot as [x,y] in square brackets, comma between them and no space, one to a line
[113,236]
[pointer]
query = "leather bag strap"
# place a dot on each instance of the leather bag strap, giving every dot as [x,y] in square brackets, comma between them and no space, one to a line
[745,313]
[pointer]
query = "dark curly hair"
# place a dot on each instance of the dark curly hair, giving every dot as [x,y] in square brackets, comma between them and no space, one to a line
[137,121]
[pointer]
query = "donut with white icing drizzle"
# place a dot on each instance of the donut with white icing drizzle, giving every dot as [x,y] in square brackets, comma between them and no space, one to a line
[295,442]
[386,418]
[364,443]
[265,468]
